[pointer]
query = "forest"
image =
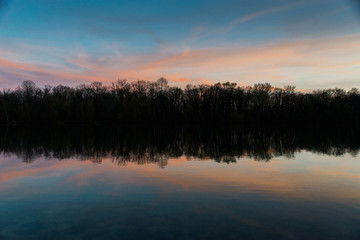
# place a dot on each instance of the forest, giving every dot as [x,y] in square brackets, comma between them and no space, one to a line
[157,102]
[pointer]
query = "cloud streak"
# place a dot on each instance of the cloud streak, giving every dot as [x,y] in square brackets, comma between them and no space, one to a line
[17,72]
[289,62]
[308,43]
[305,63]
[259,14]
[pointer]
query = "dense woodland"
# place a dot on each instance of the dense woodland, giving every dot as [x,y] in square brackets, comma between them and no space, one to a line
[157,102]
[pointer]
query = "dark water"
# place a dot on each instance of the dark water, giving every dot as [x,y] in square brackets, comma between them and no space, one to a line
[180,183]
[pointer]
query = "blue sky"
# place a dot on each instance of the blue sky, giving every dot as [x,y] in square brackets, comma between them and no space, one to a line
[307,43]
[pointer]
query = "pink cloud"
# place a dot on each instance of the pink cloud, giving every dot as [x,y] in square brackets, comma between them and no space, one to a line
[304,63]
[25,71]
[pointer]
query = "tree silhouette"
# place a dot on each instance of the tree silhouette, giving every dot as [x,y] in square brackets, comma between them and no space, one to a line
[157,102]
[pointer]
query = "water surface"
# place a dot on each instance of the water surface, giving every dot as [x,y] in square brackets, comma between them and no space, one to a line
[183,183]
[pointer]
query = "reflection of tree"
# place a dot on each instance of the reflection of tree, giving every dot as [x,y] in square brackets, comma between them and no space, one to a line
[143,145]
[141,159]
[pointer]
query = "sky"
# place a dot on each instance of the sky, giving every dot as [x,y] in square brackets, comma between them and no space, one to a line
[310,44]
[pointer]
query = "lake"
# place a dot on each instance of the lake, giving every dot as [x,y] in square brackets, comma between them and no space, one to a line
[198,182]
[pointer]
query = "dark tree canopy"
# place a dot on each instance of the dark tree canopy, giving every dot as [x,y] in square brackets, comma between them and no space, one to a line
[157,102]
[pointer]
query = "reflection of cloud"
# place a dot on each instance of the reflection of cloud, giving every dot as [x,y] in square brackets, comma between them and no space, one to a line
[277,179]
[19,171]
[305,178]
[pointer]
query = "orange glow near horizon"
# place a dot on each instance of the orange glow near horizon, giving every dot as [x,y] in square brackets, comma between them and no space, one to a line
[288,178]
[321,61]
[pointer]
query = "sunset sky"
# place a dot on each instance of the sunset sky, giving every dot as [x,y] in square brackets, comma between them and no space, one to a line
[307,43]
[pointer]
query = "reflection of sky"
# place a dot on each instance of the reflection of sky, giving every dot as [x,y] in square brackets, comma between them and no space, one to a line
[282,197]
[291,178]
[310,44]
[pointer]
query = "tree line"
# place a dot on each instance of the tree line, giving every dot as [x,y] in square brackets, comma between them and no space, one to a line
[157,102]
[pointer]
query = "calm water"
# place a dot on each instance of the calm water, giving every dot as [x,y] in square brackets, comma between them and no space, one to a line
[193,183]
